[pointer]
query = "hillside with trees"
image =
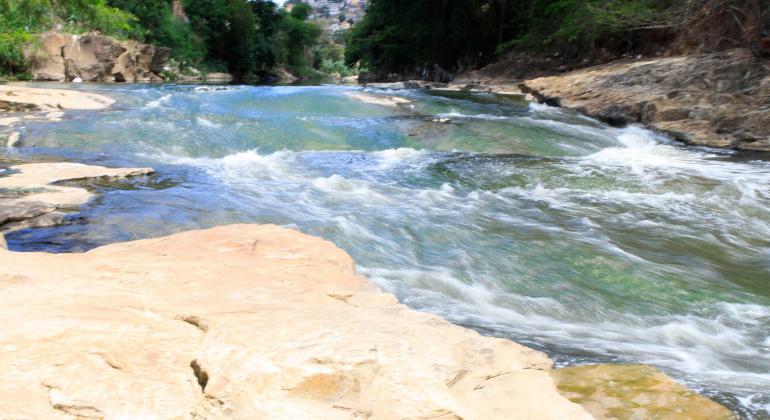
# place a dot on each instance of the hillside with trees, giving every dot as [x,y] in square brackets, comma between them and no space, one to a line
[246,38]
[432,37]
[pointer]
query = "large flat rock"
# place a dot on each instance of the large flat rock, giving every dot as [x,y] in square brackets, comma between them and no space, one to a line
[244,321]
[20,98]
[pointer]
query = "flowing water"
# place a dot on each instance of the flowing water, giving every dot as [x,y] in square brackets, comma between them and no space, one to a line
[594,244]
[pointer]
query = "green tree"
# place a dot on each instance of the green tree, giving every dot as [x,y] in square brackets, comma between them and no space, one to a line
[159,26]
[242,47]
[296,37]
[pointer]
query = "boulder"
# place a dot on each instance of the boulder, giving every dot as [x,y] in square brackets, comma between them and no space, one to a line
[94,58]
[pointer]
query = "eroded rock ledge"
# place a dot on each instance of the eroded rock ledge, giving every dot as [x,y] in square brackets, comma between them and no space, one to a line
[244,321]
[29,198]
[719,100]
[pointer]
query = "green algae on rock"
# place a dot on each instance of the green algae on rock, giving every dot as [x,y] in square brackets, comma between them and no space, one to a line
[634,392]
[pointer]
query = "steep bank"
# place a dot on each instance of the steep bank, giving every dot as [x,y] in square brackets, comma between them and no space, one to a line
[248,321]
[60,57]
[717,100]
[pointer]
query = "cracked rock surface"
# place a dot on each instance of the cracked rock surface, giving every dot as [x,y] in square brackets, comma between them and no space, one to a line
[244,321]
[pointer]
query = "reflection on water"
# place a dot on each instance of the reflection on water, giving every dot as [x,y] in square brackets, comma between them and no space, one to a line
[522,221]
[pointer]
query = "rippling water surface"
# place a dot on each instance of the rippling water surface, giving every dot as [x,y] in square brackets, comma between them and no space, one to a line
[595,244]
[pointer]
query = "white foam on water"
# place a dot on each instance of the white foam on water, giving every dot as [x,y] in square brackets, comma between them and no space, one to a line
[213,89]
[445,193]
[640,149]
[203,122]
[400,154]
[158,102]
[344,188]
[459,115]
[252,165]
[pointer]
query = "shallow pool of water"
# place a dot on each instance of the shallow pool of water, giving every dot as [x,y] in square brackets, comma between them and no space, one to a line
[522,221]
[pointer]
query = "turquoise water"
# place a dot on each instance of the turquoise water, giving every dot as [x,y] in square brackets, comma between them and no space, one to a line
[595,244]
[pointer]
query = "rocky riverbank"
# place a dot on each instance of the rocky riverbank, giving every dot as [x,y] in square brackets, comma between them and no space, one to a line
[717,100]
[61,57]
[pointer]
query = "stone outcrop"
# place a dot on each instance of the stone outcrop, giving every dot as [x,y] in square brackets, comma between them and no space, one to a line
[28,198]
[634,392]
[57,56]
[15,98]
[244,321]
[719,99]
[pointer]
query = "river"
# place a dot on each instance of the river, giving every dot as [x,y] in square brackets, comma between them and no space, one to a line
[592,243]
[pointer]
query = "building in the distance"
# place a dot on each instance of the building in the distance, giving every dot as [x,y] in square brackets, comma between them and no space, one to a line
[344,13]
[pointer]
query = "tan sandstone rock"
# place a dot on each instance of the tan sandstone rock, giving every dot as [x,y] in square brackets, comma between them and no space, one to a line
[376,99]
[719,99]
[20,98]
[40,201]
[57,56]
[245,322]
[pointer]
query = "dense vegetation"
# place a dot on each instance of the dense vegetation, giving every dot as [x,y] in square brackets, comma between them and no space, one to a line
[425,38]
[245,37]
[20,18]
[416,36]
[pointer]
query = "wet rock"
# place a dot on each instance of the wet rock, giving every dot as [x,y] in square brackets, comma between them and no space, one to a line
[634,392]
[719,99]
[33,200]
[376,99]
[13,139]
[15,210]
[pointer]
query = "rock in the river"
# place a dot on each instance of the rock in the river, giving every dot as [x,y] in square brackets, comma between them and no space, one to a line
[20,98]
[634,392]
[36,200]
[720,99]
[249,322]
[13,139]
[57,56]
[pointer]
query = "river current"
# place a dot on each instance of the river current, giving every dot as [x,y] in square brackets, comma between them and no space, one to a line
[592,243]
